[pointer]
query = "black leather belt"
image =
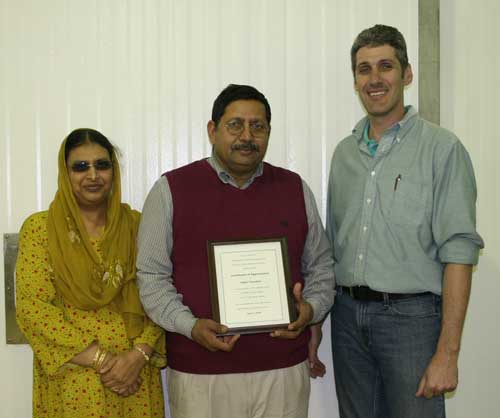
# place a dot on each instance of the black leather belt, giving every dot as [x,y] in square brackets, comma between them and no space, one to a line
[365,294]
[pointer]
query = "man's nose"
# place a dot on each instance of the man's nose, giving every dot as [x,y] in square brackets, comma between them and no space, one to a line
[246,135]
[375,76]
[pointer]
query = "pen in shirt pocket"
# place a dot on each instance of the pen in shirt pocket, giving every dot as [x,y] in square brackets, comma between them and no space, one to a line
[396,182]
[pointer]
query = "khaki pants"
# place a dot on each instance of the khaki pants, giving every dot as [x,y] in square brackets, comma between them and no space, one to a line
[281,393]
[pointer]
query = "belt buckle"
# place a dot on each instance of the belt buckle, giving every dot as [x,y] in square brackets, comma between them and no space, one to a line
[351,292]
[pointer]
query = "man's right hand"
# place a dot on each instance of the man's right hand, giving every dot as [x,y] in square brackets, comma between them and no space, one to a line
[205,333]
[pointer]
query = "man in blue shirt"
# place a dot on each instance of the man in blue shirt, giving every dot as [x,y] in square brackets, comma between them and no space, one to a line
[401,220]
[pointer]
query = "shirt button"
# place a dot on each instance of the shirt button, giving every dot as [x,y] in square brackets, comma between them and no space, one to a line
[368,201]
[360,256]
[365,228]
[372,173]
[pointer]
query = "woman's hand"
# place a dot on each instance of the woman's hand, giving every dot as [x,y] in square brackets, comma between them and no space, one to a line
[121,372]
[86,357]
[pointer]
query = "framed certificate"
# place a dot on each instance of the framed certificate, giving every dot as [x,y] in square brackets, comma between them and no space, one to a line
[250,285]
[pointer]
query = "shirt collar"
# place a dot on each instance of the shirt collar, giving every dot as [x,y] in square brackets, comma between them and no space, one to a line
[403,125]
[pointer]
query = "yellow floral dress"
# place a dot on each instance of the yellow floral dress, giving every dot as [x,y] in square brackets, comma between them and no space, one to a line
[58,331]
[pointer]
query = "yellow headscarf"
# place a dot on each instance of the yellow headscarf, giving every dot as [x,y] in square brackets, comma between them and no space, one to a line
[83,278]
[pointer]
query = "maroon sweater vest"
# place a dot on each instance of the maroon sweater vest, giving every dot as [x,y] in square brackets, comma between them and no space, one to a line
[204,208]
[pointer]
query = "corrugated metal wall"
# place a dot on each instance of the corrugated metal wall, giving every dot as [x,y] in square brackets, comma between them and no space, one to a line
[470,88]
[145,73]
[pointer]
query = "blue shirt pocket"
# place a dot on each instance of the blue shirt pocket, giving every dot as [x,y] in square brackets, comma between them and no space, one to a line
[408,204]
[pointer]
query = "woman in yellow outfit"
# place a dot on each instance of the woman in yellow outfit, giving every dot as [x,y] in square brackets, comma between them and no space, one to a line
[96,354]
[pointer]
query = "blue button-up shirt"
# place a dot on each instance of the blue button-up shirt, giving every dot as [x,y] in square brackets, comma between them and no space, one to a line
[396,218]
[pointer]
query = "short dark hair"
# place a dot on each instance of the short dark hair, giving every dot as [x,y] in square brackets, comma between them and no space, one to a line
[86,135]
[235,92]
[379,35]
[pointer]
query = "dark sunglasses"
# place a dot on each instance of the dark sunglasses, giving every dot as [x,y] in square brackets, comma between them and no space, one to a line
[99,165]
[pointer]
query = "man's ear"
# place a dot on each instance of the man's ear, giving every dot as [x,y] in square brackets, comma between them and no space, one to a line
[211,131]
[355,85]
[408,75]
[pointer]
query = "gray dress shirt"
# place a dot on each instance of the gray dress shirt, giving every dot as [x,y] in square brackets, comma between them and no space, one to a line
[163,303]
[397,218]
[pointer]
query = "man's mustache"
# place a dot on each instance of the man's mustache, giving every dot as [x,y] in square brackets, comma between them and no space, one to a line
[246,146]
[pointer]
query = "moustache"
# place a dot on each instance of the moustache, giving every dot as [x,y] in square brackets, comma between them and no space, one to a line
[247,146]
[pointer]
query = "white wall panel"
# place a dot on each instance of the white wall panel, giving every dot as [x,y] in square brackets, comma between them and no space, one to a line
[469,107]
[146,72]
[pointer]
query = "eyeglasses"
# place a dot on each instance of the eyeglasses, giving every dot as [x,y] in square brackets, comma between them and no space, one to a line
[99,165]
[257,128]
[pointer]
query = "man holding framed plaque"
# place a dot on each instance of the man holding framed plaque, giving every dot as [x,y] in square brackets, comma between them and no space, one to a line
[233,238]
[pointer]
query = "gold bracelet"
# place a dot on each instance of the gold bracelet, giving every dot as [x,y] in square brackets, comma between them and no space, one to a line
[96,356]
[140,350]
[101,359]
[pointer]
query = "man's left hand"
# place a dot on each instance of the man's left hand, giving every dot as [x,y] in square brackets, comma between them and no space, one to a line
[306,313]
[441,376]
[316,367]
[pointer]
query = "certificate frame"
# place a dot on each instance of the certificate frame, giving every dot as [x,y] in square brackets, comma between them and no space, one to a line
[250,284]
